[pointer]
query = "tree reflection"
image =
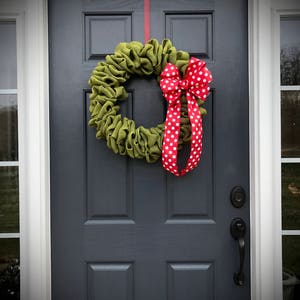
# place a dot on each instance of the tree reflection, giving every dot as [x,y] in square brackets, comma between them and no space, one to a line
[290,66]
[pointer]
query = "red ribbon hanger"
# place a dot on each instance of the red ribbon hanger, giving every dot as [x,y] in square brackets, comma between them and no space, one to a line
[195,84]
[146,20]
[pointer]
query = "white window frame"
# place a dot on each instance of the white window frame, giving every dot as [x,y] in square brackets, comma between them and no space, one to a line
[33,104]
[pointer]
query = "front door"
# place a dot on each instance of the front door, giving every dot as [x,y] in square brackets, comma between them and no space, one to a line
[123,229]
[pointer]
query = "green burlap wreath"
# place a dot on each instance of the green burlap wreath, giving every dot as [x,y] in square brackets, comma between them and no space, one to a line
[121,134]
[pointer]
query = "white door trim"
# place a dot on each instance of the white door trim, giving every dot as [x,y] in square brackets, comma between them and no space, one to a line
[32,27]
[35,226]
[263,281]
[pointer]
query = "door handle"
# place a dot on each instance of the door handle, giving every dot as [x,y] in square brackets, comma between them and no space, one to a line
[238,231]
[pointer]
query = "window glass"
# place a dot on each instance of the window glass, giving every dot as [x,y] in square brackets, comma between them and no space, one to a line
[8,128]
[291,267]
[290,196]
[9,199]
[8,55]
[290,123]
[290,50]
[9,269]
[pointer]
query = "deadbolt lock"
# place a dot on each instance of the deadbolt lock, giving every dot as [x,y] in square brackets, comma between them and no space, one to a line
[238,197]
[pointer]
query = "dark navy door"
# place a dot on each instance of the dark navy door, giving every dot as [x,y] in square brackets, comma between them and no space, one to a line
[123,229]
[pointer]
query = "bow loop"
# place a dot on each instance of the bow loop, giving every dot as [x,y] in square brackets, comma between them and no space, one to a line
[170,71]
[169,84]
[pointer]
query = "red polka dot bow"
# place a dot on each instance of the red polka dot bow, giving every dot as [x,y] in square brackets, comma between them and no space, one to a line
[195,85]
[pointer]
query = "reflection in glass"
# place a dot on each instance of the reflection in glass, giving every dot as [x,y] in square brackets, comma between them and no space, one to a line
[8,55]
[9,269]
[9,199]
[290,50]
[291,267]
[290,123]
[8,128]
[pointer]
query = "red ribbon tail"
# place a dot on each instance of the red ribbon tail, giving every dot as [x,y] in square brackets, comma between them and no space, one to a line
[197,133]
[171,137]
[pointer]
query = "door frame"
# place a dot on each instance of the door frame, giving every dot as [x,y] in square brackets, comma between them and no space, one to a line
[264,126]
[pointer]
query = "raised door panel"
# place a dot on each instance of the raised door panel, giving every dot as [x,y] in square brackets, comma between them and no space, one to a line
[110,281]
[191,281]
[191,32]
[104,31]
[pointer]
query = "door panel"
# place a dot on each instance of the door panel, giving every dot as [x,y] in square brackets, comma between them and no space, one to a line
[181,27]
[124,229]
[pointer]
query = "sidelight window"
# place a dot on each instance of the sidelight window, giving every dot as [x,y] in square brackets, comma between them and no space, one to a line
[290,154]
[9,165]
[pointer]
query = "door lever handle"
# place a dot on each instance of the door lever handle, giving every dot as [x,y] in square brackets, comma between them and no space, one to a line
[238,231]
